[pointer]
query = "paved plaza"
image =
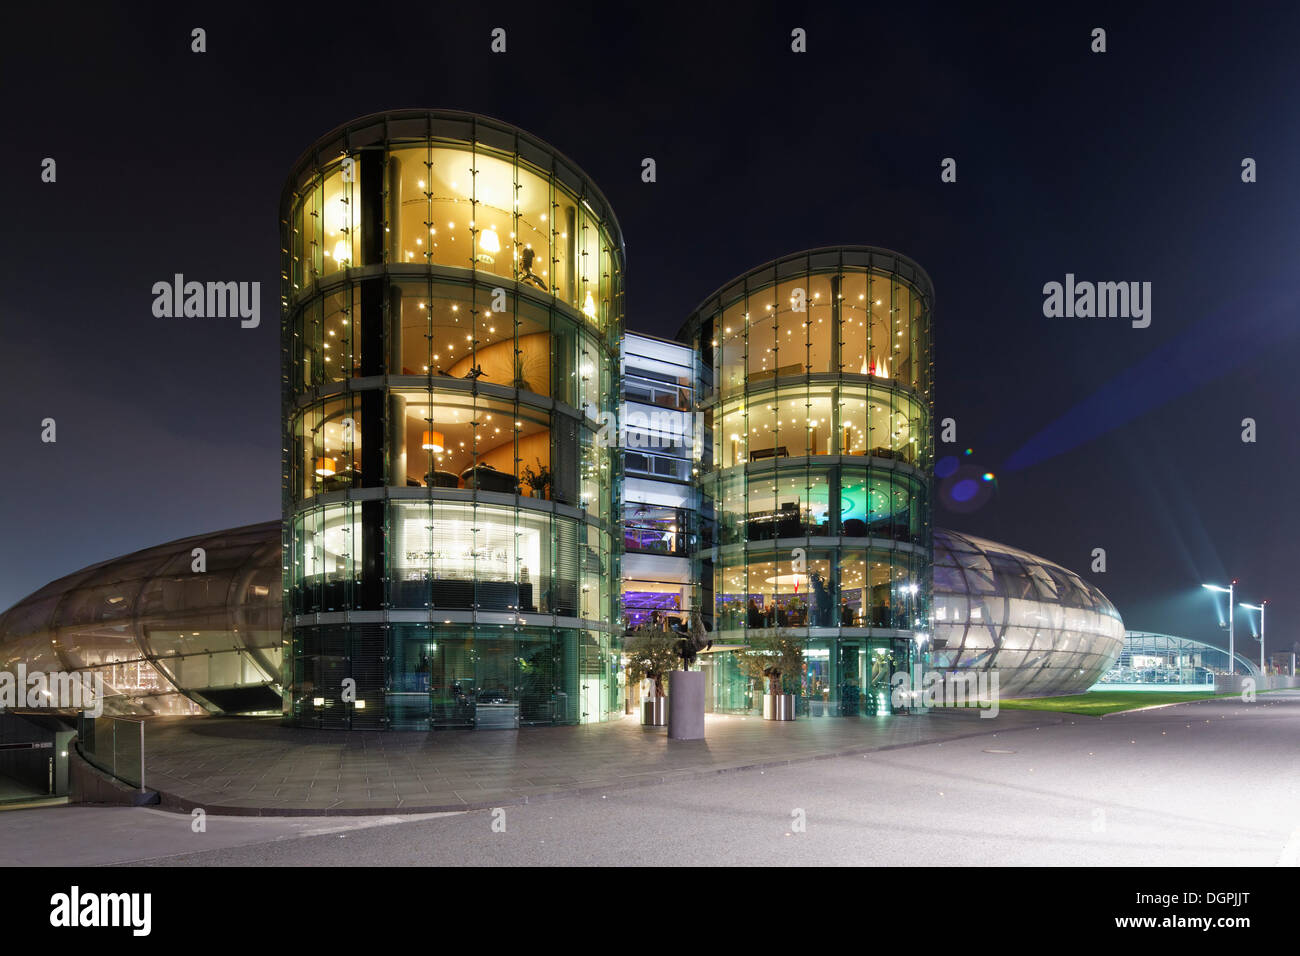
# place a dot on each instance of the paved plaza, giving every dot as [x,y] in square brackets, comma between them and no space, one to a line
[1208,784]
[252,766]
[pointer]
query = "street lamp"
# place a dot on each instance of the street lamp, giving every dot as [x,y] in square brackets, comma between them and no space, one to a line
[1260,608]
[1230,590]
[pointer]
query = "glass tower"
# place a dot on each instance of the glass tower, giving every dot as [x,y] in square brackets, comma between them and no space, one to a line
[452,309]
[815,382]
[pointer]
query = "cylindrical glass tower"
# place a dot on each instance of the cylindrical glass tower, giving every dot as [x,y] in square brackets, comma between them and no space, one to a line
[816,475]
[452,308]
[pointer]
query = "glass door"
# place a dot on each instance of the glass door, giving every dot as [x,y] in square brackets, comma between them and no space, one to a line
[880,665]
[849,673]
[535,679]
[451,681]
[496,694]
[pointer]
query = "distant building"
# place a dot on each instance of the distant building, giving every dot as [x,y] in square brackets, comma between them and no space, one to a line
[1167,662]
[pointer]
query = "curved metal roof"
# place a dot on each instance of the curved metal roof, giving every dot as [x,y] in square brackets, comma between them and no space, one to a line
[1141,641]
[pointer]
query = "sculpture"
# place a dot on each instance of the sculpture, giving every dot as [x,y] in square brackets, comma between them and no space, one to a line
[697,639]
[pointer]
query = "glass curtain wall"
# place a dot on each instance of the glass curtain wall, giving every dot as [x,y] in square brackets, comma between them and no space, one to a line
[817,475]
[453,308]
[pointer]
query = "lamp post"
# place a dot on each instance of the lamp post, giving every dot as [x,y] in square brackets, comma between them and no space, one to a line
[1260,608]
[1230,590]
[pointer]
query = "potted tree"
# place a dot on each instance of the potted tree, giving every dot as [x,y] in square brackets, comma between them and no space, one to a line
[651,655]
[777,657]
[539,481]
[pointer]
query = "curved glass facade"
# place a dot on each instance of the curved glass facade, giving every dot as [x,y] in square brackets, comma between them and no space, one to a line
[170,632]
[1043,628]
[816,472]
[452,313]
[1166,662]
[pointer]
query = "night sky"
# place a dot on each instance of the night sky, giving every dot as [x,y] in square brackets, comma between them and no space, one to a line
[1123,166]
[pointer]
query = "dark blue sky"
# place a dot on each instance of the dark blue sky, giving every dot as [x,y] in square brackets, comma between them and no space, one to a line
[1122,166]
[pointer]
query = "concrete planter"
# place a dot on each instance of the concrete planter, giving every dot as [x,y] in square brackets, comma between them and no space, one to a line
[686,710]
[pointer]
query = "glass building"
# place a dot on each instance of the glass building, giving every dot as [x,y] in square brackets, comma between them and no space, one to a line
[814,377]
[471,444]
[183,628]
[657,437]
[1044,629]
[172,640]
[453,306]
[1165,662]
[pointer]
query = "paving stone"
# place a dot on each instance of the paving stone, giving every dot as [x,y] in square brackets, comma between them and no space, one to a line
[220,760]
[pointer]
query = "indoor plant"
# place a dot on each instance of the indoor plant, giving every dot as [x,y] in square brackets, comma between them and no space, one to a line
[651,654]
[539,481]
[776,656]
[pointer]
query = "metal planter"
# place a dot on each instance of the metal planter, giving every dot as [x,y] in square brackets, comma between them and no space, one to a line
[778,706]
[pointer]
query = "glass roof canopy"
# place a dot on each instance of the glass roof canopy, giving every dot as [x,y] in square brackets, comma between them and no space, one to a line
[1167,661]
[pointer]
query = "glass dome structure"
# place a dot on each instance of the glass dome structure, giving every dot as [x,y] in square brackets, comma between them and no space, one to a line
[168,640]
[1043,628]
[183,628]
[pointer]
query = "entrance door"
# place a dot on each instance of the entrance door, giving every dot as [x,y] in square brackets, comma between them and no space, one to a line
[850,677]
[451,682]
[535,680]
[880,664]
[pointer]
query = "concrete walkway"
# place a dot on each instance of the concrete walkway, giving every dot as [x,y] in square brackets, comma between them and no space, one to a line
[257,767]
